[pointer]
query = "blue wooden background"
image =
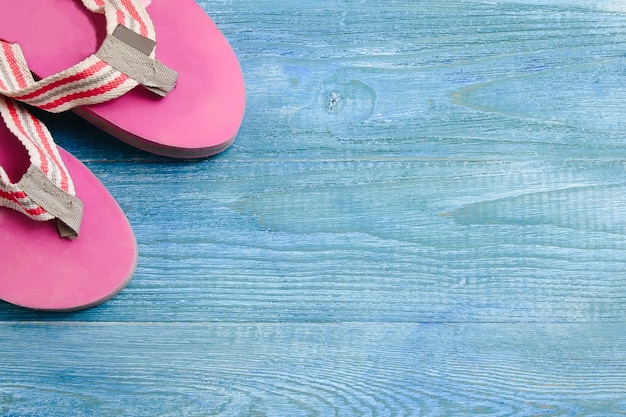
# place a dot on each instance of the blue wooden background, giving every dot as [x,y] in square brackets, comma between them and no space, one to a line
[424,214]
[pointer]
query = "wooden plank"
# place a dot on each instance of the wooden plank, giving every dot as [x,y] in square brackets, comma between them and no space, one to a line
[312,369]
[416,241]
[376,241]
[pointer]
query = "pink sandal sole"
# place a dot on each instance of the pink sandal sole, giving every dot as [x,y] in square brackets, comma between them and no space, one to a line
[40,270]
[200,117]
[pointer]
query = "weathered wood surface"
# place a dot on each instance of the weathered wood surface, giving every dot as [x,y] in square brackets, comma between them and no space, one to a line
[424,214]
[303,369]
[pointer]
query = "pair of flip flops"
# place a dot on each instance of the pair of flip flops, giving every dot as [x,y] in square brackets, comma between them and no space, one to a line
[65,244]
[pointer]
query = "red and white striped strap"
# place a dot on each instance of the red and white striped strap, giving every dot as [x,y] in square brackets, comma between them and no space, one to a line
[46,191]
[102,76]
[129,13]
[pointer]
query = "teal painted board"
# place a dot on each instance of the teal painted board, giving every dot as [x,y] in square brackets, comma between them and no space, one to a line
[423,215]
[423,241]
[180,369]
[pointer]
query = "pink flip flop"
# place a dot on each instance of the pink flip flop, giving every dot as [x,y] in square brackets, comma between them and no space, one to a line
[66,245]
[199,117]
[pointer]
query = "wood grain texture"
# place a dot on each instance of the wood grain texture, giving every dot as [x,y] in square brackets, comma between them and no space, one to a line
[424,214]
[313,369]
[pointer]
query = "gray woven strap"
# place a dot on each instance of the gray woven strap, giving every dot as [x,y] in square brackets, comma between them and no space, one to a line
[129,53]
[66,208]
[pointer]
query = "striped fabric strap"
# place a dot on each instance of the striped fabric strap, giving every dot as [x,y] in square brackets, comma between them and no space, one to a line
[46,190]
[100,77]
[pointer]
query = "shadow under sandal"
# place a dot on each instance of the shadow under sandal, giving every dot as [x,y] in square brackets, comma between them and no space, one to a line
[66,244]
[89,57]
